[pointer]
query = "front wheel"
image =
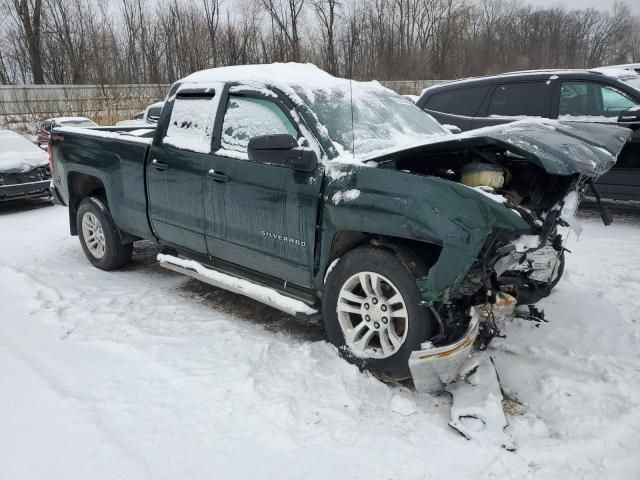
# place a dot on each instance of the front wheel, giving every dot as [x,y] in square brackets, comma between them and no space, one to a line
[99,236]
[373,312]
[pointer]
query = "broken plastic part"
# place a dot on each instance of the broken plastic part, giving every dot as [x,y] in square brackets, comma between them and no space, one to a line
[434,367]
[607,218]
[477,411]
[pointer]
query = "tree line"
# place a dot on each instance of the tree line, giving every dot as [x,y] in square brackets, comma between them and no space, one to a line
[151,41]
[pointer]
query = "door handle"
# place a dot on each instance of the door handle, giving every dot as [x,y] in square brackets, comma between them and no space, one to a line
[218,176]
[159,165]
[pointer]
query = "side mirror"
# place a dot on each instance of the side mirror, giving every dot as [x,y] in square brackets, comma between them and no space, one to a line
[452,128]
[283,150]
[631,115]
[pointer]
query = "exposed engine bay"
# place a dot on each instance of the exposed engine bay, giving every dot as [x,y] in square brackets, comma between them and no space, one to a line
[525,265]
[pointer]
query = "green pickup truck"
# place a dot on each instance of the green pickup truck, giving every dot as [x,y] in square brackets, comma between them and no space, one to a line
[322,196]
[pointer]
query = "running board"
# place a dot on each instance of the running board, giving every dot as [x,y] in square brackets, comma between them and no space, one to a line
[242,286]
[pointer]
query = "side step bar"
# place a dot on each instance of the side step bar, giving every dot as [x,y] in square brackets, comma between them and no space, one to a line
[250,289]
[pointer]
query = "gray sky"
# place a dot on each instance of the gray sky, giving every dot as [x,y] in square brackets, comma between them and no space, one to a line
[597,4]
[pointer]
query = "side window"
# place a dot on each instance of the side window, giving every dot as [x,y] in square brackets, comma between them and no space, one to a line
[462,101]
[593,99]
[248,117]
[46,126]
[520,99]
[191,123]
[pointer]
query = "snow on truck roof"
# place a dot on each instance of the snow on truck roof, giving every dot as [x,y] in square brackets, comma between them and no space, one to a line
[359,118]
[274,74]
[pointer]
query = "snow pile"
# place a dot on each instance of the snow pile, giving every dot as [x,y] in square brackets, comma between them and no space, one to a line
[17,154]
[588,118]
[104,134]
[346,196]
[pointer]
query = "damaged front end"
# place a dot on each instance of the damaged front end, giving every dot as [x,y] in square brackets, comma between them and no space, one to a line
[541,184]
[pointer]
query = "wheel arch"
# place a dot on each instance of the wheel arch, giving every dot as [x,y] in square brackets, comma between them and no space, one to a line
[82,185]
[417,255]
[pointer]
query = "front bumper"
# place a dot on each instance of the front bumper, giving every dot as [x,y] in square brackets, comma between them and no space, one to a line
[25,190]
[434,367]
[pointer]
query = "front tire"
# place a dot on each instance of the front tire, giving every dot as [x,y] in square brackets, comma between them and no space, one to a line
[99,236]
[373,312]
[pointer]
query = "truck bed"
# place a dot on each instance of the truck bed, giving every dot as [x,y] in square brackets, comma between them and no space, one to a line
[114,155]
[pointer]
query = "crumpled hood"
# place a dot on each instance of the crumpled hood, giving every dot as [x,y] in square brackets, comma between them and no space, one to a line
[560,148]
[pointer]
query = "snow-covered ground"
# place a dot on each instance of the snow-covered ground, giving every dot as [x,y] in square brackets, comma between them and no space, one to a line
[143,374]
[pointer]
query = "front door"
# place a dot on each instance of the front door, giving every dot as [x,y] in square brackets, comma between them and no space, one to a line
[175,170]
[259,216]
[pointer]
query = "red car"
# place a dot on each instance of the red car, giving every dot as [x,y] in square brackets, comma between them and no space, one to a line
[44,129]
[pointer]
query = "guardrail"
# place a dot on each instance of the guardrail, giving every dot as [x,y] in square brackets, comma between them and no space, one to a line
[22,107]
[410,87]
[49,100]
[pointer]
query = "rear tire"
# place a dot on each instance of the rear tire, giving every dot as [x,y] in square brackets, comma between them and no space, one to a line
[374,283]
[99,236]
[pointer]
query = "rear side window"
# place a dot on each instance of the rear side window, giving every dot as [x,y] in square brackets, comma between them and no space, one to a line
[461,101]
[249,117]
[520,99]
[192,118]
[593,99]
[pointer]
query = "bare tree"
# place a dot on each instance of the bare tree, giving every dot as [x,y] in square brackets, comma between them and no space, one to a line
[29,13]
[286,15]
[327,13]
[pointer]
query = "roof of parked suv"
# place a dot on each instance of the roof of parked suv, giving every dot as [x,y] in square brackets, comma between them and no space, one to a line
[616,73]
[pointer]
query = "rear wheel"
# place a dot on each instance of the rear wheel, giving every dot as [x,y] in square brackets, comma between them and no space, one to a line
[99,236]
[373,312]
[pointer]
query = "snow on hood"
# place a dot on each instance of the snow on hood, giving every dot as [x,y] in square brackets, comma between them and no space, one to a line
[560,148]
[17,154]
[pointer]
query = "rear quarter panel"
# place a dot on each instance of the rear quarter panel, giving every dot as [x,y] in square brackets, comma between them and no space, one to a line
[117,163]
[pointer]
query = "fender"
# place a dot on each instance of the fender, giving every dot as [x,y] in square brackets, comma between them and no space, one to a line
[426,209]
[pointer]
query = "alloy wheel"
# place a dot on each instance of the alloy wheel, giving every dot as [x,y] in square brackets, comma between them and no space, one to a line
[373,315]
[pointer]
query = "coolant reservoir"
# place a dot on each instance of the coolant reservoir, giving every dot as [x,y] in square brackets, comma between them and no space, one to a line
[483,175]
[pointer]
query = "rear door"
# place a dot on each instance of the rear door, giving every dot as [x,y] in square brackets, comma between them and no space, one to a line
[456,106]
[515,100]
[580,100]
[259,216]
[176,166]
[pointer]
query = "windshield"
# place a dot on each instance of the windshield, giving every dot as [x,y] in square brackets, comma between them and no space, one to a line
[381,119]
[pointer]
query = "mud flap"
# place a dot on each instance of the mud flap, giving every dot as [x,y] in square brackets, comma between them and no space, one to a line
[477,411]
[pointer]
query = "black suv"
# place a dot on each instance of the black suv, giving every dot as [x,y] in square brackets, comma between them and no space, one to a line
[603,95]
